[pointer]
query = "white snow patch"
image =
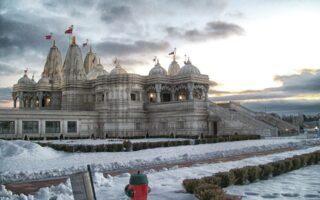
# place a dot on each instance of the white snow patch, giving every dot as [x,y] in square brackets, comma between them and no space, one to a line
[31,161]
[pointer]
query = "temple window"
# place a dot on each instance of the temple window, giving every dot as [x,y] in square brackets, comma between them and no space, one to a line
[133,96]
[197,94]
[138,126]
[180,125]
[7,127]
[182,95]
[30,127]
[152,97]
[163,125]
[165,96]
[72,126]
[53,127]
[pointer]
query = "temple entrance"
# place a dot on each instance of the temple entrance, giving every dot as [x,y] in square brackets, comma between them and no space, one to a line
[215,128]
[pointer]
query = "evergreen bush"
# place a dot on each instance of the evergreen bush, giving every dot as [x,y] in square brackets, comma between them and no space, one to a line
[266,171]
[253,173]
[209,192]
[240,175]
[191,184]
[127,145]
[227,178]
[279,168]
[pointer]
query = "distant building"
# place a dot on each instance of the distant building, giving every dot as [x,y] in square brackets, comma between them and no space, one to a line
[77,98]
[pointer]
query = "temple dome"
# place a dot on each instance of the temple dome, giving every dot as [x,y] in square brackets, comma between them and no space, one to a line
[53,67]
[73,64]
[44,80]
[157,70]
[25,80]
[90,61]
[188,68]
[174,68]
[96,71]
[117,69]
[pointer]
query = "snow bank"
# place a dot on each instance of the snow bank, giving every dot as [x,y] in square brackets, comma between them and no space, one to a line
[43,162]
[22,149]
[164,184]
[62,191]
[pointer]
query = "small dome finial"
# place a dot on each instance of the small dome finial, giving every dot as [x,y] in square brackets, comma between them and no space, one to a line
[26,71]
[73,40]
[53,43]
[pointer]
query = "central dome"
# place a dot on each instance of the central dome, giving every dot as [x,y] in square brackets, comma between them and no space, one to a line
[174,68]
[157,70]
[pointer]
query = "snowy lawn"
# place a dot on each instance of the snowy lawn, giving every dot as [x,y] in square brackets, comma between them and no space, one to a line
[300,184]
[167,184]
[108,141]
[23,160]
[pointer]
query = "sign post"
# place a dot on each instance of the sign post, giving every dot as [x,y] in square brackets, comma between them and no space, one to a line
[82,185]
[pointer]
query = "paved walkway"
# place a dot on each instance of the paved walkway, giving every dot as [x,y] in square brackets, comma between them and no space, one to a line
[32,187]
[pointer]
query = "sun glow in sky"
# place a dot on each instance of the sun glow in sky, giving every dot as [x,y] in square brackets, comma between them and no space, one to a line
[242,45]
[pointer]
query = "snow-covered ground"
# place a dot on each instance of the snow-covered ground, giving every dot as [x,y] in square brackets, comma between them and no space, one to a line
[166,184]
[108,141]
[300,184]
[23,160]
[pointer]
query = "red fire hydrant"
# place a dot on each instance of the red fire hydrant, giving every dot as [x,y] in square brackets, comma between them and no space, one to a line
[138,188]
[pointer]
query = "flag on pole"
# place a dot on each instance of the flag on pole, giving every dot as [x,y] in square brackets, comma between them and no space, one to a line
[171,53]
[48,37]
[69,30]
[85,44]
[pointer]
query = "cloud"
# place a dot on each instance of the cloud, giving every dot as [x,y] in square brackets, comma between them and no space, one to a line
[285,106]
[236,14]
[17,37]
[137,47]
[7,69]
[5,94]
[116,13]
[307,81]
[213,30]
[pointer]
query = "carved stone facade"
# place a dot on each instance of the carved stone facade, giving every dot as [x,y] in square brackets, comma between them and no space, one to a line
[79,99]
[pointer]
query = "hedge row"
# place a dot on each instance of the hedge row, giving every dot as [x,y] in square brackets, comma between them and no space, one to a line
[226,138]
[210,187]
[128,146]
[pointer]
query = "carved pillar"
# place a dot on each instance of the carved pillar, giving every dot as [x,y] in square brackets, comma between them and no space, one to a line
[40,97]
[190,90]
[32,103]
[158,91]
[14,102]
[21,100]
[172,95]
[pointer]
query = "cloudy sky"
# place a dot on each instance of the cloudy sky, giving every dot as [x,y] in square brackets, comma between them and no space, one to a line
[264,53]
